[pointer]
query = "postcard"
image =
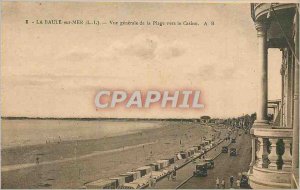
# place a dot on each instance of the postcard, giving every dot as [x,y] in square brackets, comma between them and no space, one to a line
[149,95]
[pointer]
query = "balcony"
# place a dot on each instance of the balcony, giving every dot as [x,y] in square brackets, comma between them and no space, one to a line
[272,163]
[279,19]
[259,11]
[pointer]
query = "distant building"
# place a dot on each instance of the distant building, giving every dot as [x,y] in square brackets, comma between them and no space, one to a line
[205,119]
[275,144]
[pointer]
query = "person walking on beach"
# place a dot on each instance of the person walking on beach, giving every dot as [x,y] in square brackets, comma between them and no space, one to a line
[223,183]
[238,184]
[37,160]
[231,179]
[217,183]
[169,175]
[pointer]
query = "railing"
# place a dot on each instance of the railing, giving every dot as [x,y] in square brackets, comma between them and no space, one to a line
[274,148]
[272,161]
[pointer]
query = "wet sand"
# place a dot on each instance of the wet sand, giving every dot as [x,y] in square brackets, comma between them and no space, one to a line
[71,164]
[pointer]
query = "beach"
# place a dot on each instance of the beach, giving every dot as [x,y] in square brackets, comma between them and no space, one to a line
[73,162]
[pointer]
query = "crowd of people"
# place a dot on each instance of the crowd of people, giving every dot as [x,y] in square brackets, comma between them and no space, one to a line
[221,184]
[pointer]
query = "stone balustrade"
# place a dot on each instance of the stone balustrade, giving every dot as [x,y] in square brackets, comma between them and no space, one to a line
[271,159]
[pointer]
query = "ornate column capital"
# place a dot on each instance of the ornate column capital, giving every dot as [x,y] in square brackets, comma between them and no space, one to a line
[262,28]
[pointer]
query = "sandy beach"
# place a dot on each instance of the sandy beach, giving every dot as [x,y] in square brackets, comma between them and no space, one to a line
[71,164]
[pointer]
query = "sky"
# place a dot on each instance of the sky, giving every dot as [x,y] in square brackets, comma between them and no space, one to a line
[56,70]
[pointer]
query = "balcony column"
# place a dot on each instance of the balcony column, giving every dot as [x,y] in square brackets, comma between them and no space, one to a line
[296,101]
[287,157]
[273,157]
[262,101]
[282,73]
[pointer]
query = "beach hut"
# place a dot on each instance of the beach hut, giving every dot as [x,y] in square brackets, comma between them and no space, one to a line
[155,166]
[183,154]
[163,163]
[120,180]
[202,145]
[171,160]
[178,156]
[191,151]
[102,184]
[128,177]
[136,174]
[197,147]
[144,170]
[152,167]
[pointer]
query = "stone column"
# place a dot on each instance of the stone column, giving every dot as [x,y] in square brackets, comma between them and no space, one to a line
[295,152]
[282,72]
[262,101]
[290,89]
[253,155]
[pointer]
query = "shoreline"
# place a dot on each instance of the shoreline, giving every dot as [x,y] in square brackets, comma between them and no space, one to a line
[73,173]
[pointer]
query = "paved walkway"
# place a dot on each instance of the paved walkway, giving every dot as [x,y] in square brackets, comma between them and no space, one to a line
[225,166]
[187,171]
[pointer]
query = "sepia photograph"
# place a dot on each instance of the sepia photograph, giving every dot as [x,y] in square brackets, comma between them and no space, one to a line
[149,95]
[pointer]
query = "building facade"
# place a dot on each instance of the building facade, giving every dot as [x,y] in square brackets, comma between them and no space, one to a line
[275,144]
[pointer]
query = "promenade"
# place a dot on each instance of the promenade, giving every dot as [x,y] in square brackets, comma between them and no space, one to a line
[225,166]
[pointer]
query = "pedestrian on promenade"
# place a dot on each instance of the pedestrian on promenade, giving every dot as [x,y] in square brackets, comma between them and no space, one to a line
[231,181]
[151,181]
[170,175]
[217,183]
[223,183]
[238,184]
[37,160]
[174,174]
